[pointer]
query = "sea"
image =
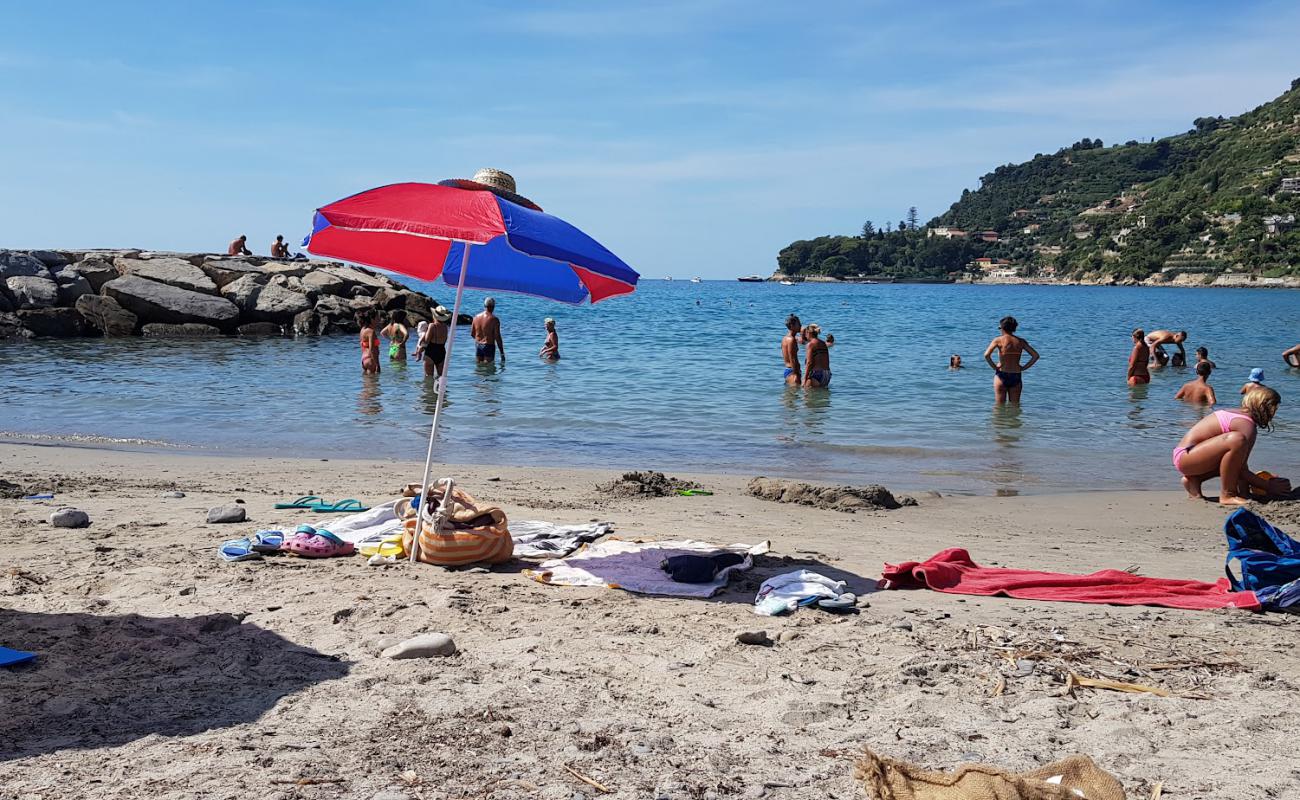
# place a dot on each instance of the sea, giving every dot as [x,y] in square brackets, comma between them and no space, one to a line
[687,377]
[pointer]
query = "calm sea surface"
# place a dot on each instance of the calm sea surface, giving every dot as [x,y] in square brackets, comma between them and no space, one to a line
[687,377]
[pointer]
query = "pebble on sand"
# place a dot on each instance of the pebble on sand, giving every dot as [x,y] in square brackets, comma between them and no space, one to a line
[753,637]
[69,518]
[230,513]
[428,645]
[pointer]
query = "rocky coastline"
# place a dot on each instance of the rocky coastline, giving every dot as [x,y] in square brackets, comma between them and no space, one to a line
[1227,280]
[115,293]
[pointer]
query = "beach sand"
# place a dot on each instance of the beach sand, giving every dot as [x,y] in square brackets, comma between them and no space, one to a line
[165,673]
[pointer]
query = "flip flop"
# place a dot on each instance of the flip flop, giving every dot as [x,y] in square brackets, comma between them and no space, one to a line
[389,545]
[268,542]
[341,506]
[320,543]
[304,502]
[845,603]
[694,493]
[10,657]
[238,550]
[39,497]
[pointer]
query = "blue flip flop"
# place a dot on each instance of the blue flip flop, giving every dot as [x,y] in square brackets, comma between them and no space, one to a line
[267,541]
[304,502]
[238,550]
[11,658]
[341,506]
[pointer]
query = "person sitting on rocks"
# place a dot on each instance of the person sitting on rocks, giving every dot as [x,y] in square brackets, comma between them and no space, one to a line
[239,247]
[279,249]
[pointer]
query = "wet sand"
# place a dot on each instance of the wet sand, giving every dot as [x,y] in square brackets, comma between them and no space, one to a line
[166,673]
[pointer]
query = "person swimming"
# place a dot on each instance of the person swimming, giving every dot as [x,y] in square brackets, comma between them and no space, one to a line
[790,350]
[1219,445]
[369,343]
[1007,372]
[1198,391]
[954,361]
[551,348]
[817,359]
[1255,381]
[1138,370]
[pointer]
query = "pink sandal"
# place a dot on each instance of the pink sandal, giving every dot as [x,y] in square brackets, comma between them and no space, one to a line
[310,542]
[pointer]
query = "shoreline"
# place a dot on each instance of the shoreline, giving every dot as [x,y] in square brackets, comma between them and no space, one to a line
[144,637]
[1246,282]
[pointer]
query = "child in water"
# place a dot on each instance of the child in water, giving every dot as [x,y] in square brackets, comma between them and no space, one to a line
[551,349]
[1255,381]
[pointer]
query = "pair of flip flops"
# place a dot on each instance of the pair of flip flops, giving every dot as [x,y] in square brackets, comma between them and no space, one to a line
[311,502]
[252,547]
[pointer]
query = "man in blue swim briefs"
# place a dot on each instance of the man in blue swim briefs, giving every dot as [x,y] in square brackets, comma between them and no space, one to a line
[1007,382]
[486,331]
[790,350]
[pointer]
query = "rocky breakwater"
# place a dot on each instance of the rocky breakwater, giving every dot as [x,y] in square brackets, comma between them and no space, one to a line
[62,293]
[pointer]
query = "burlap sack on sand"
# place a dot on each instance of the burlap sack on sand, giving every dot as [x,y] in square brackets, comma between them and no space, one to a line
[885,778]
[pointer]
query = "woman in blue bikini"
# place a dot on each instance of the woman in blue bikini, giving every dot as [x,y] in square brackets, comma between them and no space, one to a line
[1007,382]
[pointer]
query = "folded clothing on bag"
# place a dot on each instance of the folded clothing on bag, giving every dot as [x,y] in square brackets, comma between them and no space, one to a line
[783,593]
[690,568]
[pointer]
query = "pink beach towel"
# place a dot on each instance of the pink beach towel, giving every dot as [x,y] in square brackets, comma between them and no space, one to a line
[954,572]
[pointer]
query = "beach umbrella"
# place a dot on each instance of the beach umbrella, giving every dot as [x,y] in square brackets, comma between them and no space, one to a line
[477,233]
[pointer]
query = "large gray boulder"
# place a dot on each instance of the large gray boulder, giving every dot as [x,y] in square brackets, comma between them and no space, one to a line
[51,259]
[72,284]
[172,271]
[191,258]
[14,264]
[324,282]
[97,270]
[224,271]
[10,326]
[32,292]
[106,315]
[289,269]
[158,302]
[260,329]
[354,277]
[243,291]
[60,323]
[187,330]
[275,303]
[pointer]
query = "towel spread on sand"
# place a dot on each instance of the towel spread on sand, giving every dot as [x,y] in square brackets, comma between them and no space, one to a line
[1070,778]
[637,566]
[954,572]
[536,539]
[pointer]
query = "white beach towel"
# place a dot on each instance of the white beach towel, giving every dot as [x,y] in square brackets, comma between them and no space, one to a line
[537,539]
[783,593]
[379,521]
[637,566]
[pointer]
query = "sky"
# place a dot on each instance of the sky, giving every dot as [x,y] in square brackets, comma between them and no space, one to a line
[691,137]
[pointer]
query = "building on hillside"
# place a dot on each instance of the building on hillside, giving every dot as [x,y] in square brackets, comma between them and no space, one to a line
[1030,228]
[946,232]
[1290,186]
[1081,230]
[1003,273]
[985,236]
[987,265]
[1276,223]
[1022,213]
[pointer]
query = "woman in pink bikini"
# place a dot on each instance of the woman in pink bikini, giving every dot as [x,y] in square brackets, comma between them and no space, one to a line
[1219,445]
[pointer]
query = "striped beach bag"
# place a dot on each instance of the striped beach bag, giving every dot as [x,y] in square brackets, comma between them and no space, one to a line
[474,533]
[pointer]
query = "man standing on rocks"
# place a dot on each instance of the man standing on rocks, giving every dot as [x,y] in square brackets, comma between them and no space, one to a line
[239,247]
[486,331]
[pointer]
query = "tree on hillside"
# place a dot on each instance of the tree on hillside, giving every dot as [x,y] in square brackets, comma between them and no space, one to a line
[911,218]
[868,229]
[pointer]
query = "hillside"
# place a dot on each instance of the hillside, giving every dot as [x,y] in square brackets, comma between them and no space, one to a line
[1217,199]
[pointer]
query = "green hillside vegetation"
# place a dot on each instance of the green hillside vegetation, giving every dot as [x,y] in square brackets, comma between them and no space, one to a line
[1197,202]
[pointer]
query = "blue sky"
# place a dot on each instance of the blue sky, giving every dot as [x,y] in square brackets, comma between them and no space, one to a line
[692,137]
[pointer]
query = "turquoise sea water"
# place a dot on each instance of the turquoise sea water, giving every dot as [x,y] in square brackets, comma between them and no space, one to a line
[687,377]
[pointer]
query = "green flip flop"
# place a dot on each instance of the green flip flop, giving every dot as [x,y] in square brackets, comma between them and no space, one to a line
[695,493]
[304,502]
[349,505]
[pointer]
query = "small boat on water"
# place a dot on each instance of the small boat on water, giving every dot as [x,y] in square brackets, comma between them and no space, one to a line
[751,279]
[668,277]
[696,280]
[787,283]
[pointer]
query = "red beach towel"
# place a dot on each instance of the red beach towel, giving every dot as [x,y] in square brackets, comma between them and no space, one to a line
[954,572]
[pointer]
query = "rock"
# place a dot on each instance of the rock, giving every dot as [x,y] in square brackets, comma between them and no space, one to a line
[324,282]
[261,329]
[223,514]
[901,625]
[49,258]
[754,637]
[186,330]
[171,271]
[58,323]
[243,291]
[159,302]
[30,291]
[783,636]
[69,518]
[289,269]
[189,590]
[277,304]
[14,264]
[10,326]
[97,270]
[106,315]
[353,277]
[428,645]
[71,286]
[5,305]
[384,642]
[310,323]
[190,258]
[225,271]
[295,284]
[178,495]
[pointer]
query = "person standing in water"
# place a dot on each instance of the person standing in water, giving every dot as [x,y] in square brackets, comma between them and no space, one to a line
[1219,445]
[551,348]
[1007,371]
[817,359]
[397,333]
[1199,391]
[434,342]
[1203,354]
[1138,371]
[369,343]
[486,331]
[790,350]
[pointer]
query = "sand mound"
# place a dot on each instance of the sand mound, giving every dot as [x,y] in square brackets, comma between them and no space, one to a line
[644,484]
[834,498]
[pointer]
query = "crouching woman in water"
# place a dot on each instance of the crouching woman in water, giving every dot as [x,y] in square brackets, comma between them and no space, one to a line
[1218,446]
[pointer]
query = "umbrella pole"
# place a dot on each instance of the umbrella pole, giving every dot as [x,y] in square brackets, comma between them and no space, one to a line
[437,409]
